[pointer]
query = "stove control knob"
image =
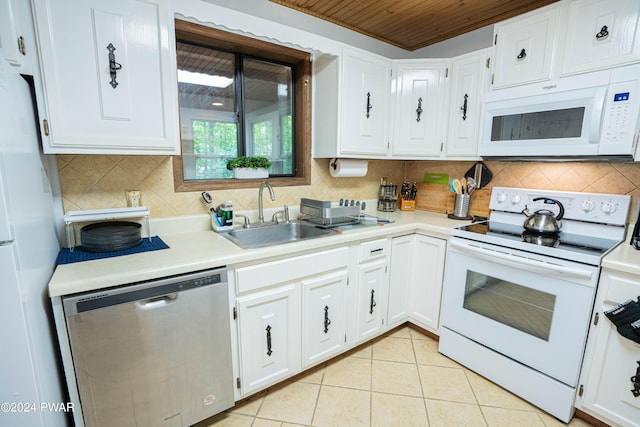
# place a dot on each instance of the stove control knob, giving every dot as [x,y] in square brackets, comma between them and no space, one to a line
[515,199]
[502,197]
[608,208]
[588,206]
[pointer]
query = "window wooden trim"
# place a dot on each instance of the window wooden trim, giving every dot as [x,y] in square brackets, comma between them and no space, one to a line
[302,104]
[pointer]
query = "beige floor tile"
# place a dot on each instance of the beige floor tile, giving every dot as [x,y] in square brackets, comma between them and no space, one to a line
[500,417]
[349,372]
[292,425]
[292,403]
[395,378]
[227,420]
[551,421]
[340,407]
[403,332]
[261,422]
[394,349]
[426,352]
[490,394]
[417,335]
[445,384]
[363,353]
[452,414]
[390,410]
[314,376]
[250,407]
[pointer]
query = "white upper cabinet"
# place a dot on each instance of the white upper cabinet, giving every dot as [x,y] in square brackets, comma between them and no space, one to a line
[15,33]
[351,105]
[469,80]
[419,115]
[525,47]
[109,73]
[601,34]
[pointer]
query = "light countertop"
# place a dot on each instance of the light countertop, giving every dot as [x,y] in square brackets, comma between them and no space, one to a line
[194,246]
[624,258]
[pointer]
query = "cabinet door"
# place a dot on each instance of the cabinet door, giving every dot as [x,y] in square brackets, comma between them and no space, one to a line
[469,81]
[109,74]
[15,30]
[371,298]
[601,34]
[419,114]
[323,324]
[525,47]
[400,279]
[611,360]
[428,275]
[269,325]
[365,103]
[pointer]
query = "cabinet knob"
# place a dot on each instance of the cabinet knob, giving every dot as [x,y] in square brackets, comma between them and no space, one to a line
[603,34]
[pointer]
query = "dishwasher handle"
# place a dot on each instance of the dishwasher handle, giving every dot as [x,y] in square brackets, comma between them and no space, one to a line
[157,302]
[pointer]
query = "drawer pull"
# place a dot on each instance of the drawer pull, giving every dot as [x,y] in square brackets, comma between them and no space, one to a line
[375,251]
[604,32]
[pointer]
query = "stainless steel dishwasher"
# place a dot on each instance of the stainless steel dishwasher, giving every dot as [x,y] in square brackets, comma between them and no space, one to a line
[153,354]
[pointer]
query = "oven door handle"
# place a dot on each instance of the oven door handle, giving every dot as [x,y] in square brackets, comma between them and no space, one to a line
[534,266]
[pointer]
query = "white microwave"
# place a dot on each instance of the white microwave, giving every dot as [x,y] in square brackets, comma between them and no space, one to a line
[591,115]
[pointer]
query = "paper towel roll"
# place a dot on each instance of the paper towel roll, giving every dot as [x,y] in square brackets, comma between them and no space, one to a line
[348,167]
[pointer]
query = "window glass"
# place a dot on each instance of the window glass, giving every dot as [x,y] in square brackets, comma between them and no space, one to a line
[232,105]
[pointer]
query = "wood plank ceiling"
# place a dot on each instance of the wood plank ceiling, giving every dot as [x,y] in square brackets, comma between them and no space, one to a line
[413,24]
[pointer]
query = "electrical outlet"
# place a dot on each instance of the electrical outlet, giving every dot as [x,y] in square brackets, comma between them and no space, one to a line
[134,198]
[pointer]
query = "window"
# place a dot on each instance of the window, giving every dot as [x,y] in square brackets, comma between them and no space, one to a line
[240,96]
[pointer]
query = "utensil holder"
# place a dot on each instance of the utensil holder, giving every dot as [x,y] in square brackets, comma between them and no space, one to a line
[461,205]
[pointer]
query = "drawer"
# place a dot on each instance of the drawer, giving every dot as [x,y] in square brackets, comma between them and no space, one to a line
[276,272]
[373,250]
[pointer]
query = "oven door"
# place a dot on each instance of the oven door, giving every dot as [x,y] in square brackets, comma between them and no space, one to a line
[530,308]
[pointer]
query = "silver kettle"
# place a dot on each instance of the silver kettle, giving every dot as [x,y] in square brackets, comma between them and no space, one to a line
[544,221]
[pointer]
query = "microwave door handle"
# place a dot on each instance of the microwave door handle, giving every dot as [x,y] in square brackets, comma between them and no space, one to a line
[596,115]
[539,267]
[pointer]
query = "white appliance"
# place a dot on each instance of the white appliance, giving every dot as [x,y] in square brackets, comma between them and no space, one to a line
[31,390]
[584,116]
[516,306]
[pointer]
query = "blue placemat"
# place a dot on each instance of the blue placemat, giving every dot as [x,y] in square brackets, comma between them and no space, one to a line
[66,256]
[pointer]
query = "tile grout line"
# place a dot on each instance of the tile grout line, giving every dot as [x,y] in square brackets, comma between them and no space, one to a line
[424,400]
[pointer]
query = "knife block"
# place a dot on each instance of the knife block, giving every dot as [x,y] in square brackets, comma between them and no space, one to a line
[407,205]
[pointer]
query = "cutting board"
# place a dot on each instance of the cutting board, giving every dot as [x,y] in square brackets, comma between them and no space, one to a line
[439,198]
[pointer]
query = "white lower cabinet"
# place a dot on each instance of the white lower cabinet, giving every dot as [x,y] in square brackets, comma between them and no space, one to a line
[269,329]
[371,289]
[280,308]
[324,320]
[611,360]
[416,277]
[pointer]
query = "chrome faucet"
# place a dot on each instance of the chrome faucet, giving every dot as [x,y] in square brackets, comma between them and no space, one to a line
[273,198]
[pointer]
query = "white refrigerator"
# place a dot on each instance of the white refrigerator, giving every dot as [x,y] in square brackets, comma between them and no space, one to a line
[31,386]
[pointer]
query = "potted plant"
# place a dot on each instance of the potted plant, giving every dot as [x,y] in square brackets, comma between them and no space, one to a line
[249,167]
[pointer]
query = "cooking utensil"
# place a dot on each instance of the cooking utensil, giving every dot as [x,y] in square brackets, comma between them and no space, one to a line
[471,185]
[463,185]
[457,186]
[544,221]
[480,173]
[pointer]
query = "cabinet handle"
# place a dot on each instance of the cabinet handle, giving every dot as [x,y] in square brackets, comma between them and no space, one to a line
[419,110]
[113,65]
[603,34]
[522,54]
[327,321]
[269,352]
[635,380]
[464,107]
[369,106]
[372,302]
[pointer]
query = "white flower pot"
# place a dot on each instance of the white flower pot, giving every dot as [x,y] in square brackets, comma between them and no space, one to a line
[250,173]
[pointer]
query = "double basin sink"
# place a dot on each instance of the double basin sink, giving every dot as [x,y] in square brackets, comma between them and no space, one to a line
[275,234]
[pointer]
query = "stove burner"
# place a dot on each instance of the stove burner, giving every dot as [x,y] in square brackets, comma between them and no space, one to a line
[542,239]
